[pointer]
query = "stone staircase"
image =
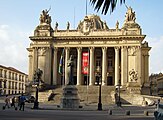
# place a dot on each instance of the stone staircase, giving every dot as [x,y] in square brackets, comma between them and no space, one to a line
[87,94]
[90,95]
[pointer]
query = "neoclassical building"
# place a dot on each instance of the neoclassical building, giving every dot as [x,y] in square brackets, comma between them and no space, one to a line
[12,81]
[117,56]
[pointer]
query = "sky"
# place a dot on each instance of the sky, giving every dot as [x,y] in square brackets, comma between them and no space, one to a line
[18,19]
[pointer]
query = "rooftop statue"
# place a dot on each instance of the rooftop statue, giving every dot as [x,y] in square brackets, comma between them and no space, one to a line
[68,25]
[130,15]
[44,17]
[56,26]
[117,25]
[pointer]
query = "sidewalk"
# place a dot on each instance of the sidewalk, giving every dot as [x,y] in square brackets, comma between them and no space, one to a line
[134,110]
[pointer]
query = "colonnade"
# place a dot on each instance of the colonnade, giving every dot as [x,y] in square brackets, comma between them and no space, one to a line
[91,65]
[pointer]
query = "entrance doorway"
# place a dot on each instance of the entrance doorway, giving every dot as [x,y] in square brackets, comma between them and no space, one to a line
[86,80]
[110,80]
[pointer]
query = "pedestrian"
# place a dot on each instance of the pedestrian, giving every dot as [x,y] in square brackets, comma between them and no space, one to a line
[13,101]
[7,102]
[157,104]
[22,102]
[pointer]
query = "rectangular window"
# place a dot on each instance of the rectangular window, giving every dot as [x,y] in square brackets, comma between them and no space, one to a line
[0,72]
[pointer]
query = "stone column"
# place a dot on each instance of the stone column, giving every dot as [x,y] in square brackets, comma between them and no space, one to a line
[35,59]
[66,59]
[139,65]
[91,75]
[55,68]
[124,66]
[79,49]
[116,65]
[104,66]
[146,59]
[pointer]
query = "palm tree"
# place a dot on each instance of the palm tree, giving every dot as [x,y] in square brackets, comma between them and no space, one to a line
[105,4]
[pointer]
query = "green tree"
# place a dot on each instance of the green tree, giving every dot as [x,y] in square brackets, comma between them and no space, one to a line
[105,5]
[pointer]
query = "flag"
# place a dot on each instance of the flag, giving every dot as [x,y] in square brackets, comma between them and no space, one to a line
[85,62]
[61,63]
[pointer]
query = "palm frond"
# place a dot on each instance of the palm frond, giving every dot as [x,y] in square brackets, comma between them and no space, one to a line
[105,5]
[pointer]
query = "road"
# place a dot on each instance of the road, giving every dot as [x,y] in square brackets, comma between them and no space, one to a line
[65,115]
[58,114]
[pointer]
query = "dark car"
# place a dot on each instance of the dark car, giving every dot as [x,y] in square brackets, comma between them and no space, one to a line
[30,99]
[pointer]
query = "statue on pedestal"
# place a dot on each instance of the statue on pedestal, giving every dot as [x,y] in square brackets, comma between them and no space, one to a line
[130,15]
[37,76]
[70,66]
[44,17]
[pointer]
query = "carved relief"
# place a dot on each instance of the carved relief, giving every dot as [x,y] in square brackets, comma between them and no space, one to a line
[42,51]
[133,75]
[91,23]
[132,51]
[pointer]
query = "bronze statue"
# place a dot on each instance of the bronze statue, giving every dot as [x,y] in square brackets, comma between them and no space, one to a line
[37,76]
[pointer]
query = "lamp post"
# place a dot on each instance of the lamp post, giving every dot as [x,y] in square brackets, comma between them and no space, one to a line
[36,103]
[119,97]
[37,80]
[99,83]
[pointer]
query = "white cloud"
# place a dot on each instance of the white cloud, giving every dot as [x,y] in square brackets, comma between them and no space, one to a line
[13,44]
[156,54]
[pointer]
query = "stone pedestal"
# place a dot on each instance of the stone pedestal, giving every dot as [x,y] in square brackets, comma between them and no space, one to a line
[70,99]
[134,87]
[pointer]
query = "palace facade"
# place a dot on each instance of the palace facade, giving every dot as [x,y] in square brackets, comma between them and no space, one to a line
[117,56]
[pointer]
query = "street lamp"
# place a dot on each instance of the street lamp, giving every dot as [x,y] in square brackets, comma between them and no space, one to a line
[99,83]
[37,80]
[36,103]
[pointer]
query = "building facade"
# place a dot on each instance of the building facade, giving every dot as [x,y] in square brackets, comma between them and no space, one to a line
[12,81]
[160,85]
[117,56]
[153,83]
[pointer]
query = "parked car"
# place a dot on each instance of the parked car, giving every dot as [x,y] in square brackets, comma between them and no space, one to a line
[30,99]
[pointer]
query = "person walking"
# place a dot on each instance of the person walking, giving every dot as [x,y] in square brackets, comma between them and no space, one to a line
[22,102]
[7,102]
[13,101]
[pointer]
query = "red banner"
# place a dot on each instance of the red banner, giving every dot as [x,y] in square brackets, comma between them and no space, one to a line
[85,62]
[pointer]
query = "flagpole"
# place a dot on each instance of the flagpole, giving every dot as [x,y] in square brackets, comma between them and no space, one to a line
[88,76]
[63,74]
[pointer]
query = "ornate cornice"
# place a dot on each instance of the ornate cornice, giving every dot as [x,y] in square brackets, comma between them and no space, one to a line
[38,38]
[118,37]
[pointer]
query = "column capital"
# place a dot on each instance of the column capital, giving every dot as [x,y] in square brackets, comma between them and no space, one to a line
[79,49]
[104,48]
[91,48]
[117,47]
[67,48]
[55,48]
[124,47]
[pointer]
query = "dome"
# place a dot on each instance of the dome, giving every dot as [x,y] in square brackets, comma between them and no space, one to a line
[92,22]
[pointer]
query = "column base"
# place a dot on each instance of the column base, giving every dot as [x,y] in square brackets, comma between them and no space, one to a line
[103,84]
[134,87]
